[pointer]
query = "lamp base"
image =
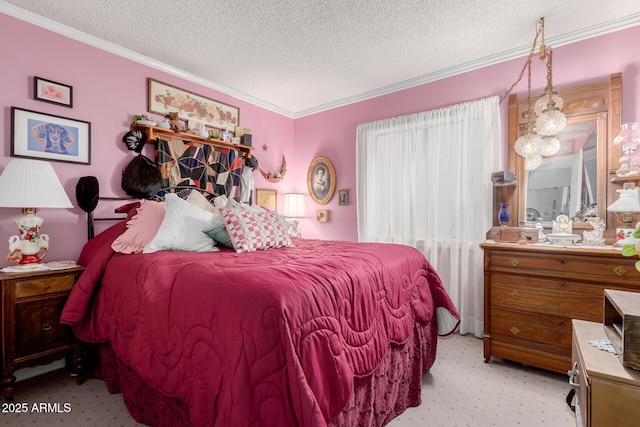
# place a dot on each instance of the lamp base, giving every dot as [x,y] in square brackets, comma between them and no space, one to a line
[624,236]
[294,229]
[30,247]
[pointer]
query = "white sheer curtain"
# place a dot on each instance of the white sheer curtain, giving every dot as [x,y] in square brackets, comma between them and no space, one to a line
[424,180]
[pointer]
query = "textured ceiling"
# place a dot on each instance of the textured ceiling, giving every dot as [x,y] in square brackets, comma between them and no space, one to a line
[299,57]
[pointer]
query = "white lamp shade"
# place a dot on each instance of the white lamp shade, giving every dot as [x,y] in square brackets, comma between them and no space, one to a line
[28,183]
[294,205]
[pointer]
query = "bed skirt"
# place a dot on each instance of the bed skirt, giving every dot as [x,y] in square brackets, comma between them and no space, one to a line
[377,399]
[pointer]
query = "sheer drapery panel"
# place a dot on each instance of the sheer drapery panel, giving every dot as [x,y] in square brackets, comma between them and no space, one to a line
[424,180]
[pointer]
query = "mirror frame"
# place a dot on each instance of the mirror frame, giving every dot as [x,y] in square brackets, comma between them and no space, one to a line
[598,101]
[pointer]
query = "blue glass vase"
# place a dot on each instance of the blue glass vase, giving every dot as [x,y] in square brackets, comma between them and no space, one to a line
[503,214]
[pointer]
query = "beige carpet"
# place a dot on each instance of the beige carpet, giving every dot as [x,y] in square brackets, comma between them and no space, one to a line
[460,390]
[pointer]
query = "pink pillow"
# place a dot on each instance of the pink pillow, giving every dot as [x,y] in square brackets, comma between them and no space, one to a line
[141,228]
[251,231]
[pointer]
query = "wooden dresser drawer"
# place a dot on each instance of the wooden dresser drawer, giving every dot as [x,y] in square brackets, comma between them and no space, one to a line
[615,269]
[43,285]
[532,329]
[547,296]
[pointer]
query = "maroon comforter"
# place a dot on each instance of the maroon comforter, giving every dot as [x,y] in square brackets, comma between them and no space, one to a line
[262,338]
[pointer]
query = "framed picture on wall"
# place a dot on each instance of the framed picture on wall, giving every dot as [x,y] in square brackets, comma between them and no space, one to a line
[343,197]
[165,98]
[44,136]
[53,92]
[267,199]
[322,215]
[321,180]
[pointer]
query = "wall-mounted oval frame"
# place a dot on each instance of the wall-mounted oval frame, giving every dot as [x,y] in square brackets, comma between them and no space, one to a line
[321,180]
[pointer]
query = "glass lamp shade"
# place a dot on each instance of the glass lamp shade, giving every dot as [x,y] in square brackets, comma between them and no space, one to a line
[628,139]
[528,145]
[533,162]
[550,122]
[628,202]
[550,146]
[547,100]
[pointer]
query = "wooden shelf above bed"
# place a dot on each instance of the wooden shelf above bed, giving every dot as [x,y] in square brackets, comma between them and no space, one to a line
[153,132]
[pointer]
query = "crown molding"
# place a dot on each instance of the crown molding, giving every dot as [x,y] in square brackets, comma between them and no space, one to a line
[46,23]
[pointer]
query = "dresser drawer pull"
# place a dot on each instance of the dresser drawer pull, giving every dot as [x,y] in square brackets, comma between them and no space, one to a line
[562,261]
[47,287]
[514,294]
[561,284]
[574,373]
[47,327]
[514,262]
[514,330]
[620,270]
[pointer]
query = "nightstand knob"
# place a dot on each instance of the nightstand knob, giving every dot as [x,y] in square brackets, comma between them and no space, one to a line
[47,327]
[47,287]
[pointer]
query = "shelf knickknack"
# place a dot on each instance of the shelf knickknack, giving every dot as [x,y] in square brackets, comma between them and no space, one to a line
[280,174]
[152,133]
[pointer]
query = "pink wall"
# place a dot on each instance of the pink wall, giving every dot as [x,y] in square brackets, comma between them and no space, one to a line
[333,133]
[109,89]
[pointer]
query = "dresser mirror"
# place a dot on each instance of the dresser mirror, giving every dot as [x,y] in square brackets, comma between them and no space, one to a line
[573,182]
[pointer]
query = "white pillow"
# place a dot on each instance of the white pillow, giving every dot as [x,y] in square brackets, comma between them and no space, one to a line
[197,198]
[182,228]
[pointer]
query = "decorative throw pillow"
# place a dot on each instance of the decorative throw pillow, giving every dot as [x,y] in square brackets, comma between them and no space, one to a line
[197,198]
[219,233]
[181,228]
[141,228]
[251,231]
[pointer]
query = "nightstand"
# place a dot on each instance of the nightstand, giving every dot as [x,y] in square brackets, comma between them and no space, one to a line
[31,331]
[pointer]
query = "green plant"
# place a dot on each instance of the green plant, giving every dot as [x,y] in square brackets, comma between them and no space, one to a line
[631,250]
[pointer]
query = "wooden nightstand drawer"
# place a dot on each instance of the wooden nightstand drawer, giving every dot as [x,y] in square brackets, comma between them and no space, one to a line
[43,285]
[38,327]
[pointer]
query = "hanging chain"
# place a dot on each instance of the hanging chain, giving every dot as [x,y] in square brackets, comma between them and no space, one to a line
[527,64]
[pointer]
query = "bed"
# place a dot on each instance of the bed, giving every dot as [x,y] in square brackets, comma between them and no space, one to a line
[307,333]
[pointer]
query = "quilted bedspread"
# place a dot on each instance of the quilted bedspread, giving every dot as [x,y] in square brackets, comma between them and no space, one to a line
[261,338]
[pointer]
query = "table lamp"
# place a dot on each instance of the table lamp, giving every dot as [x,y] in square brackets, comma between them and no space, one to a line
[294,210]
[626,209]
[30,184]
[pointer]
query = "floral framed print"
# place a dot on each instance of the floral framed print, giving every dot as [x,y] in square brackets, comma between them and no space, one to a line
[49,91]
[321,180]
[45,136]
[165,98]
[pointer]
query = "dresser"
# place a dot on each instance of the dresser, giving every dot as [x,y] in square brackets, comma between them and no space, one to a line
[533,291]
[608,394]
[31,331]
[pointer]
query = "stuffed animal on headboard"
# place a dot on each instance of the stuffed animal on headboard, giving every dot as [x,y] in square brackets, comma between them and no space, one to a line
[141,178]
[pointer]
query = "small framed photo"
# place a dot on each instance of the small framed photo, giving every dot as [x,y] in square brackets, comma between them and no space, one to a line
[44,136]
[53,92]
[322,215]
[321,180]
[343,197]
[267,199]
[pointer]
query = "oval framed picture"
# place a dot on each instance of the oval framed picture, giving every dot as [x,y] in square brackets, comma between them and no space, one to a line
[321,180]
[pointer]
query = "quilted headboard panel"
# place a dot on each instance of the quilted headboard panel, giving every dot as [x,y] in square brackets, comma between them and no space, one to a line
[188,163]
